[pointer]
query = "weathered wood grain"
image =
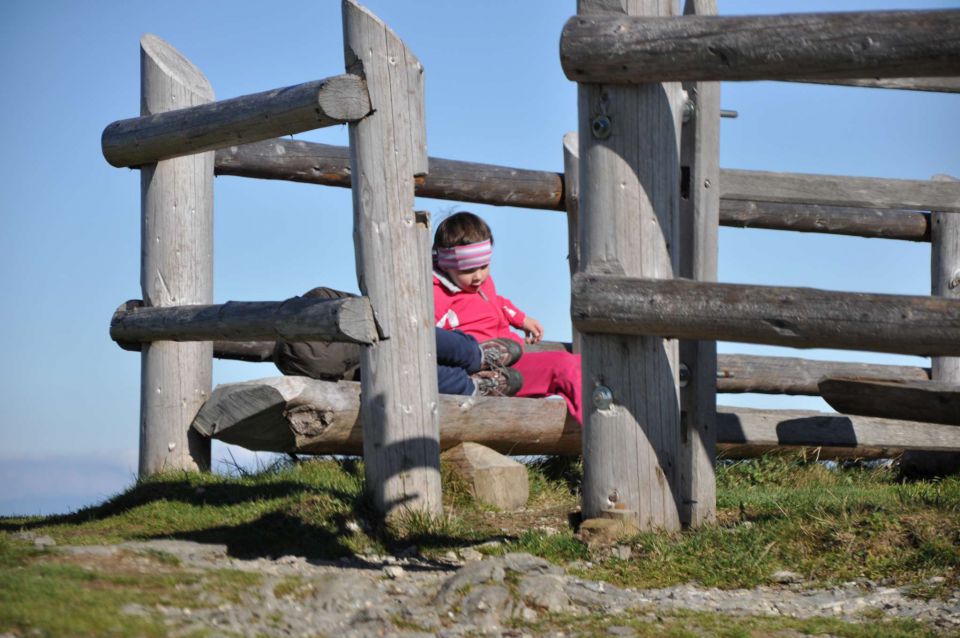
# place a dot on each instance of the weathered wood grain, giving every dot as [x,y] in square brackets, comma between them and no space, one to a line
[306,416]
[795,317]
[297,319]
[176,268]
[876,44]
[699,221]
[853,221]
[796,376]
[249,118]
[926,401]
[329,165]
[937,85]
[832,190]
[629,220]
[401,437]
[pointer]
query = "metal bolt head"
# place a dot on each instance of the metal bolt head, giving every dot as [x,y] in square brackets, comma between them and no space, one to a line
[684,375]
[600,127]
[689,110]
[602,397]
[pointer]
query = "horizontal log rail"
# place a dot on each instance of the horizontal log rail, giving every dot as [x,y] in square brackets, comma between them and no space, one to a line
[752,203]
[298,319]
[934,85]
[833,190]
[249,118]
[927,401]
[301,415]
[736,373]
[329,165]
[795,376]
[794,317]
[605,49]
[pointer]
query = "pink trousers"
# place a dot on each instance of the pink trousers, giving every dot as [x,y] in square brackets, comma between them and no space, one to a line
[546,373]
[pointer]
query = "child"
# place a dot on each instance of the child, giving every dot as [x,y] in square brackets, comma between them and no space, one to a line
[465,299]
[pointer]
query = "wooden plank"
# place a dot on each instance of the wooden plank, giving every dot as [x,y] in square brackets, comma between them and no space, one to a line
[297,319]
[832,190]
[927,401]
[329,165]
[795,317]
[629,191]
[937,85]
[571,169]
[699,221]
[401,436]
[875,44]
[796,376]
[306,416]
[239,120]
[836,220]
[176,268]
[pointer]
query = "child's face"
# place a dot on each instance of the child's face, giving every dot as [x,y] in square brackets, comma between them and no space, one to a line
[469,280]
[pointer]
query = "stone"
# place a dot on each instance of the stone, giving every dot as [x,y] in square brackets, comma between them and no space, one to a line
[601,532]
[786,577]
[494,479]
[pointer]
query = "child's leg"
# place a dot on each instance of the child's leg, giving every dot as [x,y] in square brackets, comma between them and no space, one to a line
[454,380]
[546,373]
[457,349]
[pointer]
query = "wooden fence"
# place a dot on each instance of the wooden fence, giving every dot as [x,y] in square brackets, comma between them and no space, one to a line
[651,422]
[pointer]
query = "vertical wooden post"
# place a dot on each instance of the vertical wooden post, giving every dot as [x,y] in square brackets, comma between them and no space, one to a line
[399,400]
[699,221]
[944,282]
[176,268]
[629,192]
[571,199]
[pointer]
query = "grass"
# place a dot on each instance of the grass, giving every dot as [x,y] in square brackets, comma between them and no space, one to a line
[774,513]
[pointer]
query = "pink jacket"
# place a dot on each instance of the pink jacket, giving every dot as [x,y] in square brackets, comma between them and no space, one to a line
[484,314]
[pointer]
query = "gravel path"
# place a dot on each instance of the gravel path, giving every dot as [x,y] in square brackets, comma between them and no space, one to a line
[468,594]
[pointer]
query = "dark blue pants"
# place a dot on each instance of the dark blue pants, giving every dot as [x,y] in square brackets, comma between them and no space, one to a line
[457,357]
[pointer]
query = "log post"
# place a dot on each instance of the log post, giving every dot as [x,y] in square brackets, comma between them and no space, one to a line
[401,446]
[699,221]
[176,268]
[571,190]
[944,282]
[629,192]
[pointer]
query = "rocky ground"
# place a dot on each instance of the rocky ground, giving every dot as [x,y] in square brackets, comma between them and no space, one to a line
[467,594]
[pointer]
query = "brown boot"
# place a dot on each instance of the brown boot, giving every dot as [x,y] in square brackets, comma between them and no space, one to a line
[504,382]
[499,353]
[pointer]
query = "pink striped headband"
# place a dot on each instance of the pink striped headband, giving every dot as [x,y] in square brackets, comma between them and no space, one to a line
[465,257]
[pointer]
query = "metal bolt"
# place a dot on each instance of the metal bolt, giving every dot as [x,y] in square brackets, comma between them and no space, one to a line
[706,183]
[614,496]
[601,126]
[602,397]
[684,375]
[689,110]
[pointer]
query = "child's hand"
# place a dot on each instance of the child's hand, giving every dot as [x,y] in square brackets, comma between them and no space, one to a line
[533,330]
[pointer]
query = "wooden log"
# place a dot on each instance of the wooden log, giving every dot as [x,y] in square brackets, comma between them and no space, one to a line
[792,375]
[938,85]
[298,319]
[832,190]
[401,437]
[176,268]
[926,401]
[699,221]
[329,165]
[306,416]
[629,223]
[877,44]
[944,282]
[240,120]
[493,479]
[817,218]
[795,317]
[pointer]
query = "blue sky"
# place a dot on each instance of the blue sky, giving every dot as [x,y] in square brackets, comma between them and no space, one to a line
[495,93]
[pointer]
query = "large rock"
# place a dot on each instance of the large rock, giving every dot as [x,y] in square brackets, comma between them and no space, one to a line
[493,478]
